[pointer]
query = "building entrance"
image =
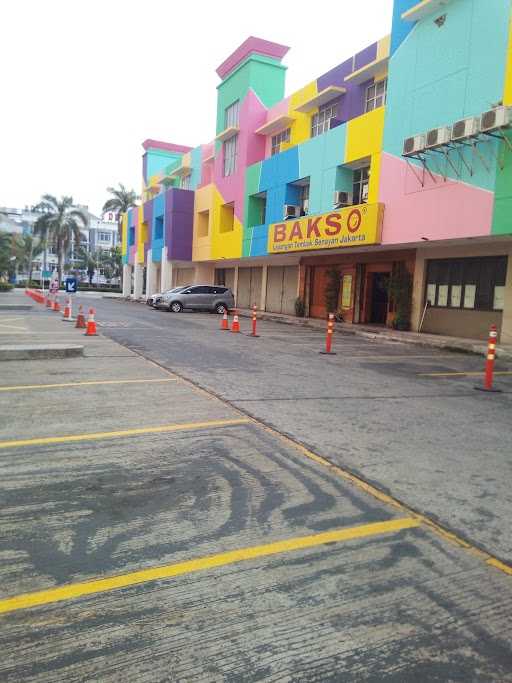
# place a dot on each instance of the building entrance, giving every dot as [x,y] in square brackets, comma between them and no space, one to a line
[379,298]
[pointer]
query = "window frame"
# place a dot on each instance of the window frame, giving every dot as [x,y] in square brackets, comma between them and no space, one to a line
[321,121]
[359,183]
[374,100]
[471,273]
[230,162]
[232,115]
[277,141]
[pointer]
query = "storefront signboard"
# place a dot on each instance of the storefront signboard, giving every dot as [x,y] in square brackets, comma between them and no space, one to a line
[354,226]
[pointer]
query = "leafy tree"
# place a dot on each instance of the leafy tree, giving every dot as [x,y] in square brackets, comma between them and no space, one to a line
[60,222]
[121,200]
[6,253]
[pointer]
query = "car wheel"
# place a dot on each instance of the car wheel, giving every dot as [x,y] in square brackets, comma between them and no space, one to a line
[221,308]
[175,307]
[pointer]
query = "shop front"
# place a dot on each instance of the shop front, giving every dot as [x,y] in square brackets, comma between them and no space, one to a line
[359,284]
[349,273]
[461,291]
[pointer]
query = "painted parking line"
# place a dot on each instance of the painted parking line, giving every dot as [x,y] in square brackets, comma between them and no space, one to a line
[461,374]
[22,387]
[169,571]
[95,436]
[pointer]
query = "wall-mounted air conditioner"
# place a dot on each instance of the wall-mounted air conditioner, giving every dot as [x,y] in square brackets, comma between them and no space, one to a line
[342,199]
[291,211]
[499,117]
[413,145]
[438,137]
[466,128]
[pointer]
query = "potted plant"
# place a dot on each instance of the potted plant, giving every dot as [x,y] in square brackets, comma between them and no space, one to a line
[332,290]
[300,307]
[400,293]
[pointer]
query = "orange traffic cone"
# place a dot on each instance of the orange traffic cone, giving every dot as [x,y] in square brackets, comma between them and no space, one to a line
[224,326]
[48,301]
[235,327]
[56,306]
[67,311]
[91,325]
[80,319]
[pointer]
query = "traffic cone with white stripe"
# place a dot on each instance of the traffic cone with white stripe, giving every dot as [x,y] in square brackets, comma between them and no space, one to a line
[80,319]
[67,311]
[235,327]
[224,326]
[56,305]
[91,325]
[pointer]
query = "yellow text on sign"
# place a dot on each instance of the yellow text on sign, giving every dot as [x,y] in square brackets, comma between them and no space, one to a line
[350,227]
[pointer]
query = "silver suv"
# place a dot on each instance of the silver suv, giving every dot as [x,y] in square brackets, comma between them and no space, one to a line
[199,298]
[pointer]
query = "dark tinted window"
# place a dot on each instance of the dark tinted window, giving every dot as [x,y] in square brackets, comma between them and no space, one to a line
[200,290]
[470,283]
[217,290]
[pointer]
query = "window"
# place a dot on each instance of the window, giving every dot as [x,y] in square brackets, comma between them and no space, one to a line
[321,122]
[230,154]
[470,283]
[131,236]
[231,115]
[104,237]
[257,208]
[52,249]
[203,219]
[159,227]
[185,182]
[360,185]
[227,218]
[304,199]
[376,95]
[283,136]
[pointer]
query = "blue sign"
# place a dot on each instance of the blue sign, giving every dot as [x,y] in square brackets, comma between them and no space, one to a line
[71,285]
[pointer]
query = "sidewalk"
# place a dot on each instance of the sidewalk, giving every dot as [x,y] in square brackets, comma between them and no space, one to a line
[435,341]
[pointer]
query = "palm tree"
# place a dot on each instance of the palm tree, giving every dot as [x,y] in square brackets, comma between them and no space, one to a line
[26,247]
[119,203]
[61,223]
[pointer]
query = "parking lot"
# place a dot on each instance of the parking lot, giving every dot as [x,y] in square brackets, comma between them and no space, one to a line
[184,504]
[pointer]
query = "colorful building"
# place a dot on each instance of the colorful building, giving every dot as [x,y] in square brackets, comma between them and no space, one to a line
[387,180]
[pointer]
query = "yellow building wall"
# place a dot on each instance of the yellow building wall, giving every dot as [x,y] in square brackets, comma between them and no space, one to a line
[202,246]
[124,234]
[142,234]
[301,127]
[224,244]
[364,140]
[507,95]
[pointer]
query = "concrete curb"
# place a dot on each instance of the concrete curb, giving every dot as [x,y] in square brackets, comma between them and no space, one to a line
[16,307]
[39,351]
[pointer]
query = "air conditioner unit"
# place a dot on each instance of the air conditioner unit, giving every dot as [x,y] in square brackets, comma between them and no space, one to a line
[342,198]
[499,117]
[291,211]
[413,145]
[466,128]
[437,137]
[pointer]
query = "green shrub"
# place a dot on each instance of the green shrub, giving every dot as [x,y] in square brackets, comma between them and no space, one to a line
[332,290]
[400,292]
[5,286]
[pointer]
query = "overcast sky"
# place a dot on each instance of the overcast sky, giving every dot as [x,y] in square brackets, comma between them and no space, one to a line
[84,82]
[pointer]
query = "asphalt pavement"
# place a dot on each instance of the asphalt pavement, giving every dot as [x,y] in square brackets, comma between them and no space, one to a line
[170,511]
[405,419]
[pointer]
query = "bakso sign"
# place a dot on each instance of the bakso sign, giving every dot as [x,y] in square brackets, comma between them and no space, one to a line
[354,226]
